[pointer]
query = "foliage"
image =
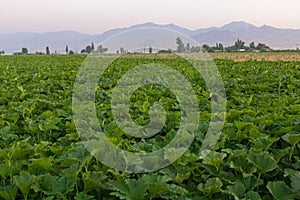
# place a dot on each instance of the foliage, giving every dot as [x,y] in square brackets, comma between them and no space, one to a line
[180,45]
[41,156]
[24,50]
[47,50]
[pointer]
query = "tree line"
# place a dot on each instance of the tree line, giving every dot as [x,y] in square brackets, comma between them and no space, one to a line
[238,46]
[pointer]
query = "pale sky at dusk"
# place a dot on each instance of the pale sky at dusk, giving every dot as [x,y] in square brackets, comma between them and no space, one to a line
[97,16]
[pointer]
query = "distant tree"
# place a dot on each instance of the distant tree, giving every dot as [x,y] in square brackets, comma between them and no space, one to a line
[262,47]
[252,46]
[239,44]
[195,49]
[219,47]
[71,52]
[88,49]
[83,51]
[92,46]
[24,50]
[150,49]
[101,49]
[2,52]
[188,48]
[163,51]
[205,47]
[170,51]
[47,50]
[67,49]
[180,45]
[122,50]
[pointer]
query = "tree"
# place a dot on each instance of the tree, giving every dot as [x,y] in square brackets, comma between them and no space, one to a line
[101,49]
[71,52]
[196,49]
[47,50]
[2,52]
[67,49]
[92,46]
[252,46]
[24,50]
[180,45]
[188,48]
[219,47]
[122,50]
[150,49]
[239,44]
[205,47]
[88,49]
[262,47]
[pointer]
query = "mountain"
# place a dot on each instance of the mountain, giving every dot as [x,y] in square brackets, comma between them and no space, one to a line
[236,26]
[57,41]
[276,38]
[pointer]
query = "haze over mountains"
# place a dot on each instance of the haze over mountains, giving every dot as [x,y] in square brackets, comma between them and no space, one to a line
[276,38]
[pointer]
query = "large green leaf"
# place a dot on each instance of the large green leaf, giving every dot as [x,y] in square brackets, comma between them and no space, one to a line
[5,170]
[24,182]
[93,180]
[130,189]
[237,190]
[241,164]
[44,163]
[263,161]
[8,192]
[63,185]
[45,184]
[293,139]
[295,179]
[251,195]
[156,184]
[212,185]
[280,191]
[214,159]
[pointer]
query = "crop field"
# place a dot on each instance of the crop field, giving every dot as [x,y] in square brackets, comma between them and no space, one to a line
[259,56]
[256,157]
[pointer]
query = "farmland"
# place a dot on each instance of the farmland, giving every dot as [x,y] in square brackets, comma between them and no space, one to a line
[256,157]
[259,56]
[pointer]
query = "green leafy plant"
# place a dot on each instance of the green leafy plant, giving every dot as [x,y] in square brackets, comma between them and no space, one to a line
[42,157]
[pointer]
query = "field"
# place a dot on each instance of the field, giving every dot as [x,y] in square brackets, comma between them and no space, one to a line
[256,157]
[259,56]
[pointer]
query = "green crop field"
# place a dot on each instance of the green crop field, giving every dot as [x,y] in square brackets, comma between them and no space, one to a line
[256,157]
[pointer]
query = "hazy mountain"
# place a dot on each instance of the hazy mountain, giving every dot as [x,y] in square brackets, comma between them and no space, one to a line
[276,38]
[57,41]
[236,26]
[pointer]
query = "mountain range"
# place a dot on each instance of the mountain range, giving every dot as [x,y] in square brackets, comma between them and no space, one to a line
[276,38]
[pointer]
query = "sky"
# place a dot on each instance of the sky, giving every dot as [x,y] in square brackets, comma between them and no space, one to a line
[97,16]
